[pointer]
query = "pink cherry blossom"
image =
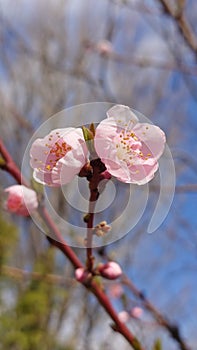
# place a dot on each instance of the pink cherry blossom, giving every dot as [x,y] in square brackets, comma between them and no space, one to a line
[21,200]
[58,157]
[129,149]
[110,270]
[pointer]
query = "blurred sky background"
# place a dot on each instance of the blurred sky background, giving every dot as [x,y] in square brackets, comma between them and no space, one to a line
[58,54]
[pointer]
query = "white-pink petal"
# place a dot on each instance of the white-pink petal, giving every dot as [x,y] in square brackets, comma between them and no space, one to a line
[153,138]
[123,116]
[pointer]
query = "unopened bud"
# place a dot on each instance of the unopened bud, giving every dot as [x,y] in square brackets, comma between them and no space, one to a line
[123,316]
[81,274]
[20,200]
[104,226]
[101,229]
[110,270]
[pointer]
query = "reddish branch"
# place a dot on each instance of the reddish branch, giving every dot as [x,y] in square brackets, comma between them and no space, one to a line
[58,241]
[9,165]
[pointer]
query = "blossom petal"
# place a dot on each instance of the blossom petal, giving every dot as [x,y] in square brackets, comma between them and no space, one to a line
[153,138]
[123,116]
[44,178]
[142,174]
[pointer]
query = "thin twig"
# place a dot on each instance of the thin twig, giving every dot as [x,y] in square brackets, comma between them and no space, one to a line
[144,62]
[21,274]
[94,194]
[182,24]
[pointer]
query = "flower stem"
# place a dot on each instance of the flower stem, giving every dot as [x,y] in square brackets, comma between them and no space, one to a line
[90,223]
[97,169]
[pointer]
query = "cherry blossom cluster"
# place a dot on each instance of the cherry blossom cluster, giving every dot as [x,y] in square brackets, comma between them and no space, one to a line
[129,149]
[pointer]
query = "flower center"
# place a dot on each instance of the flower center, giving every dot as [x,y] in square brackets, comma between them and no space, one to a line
[57,151]
[128,146]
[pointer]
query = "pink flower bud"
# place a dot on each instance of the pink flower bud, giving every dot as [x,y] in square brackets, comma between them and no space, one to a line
[123,316]
[81,274]
[21,200]
[136,312]
[111,270]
